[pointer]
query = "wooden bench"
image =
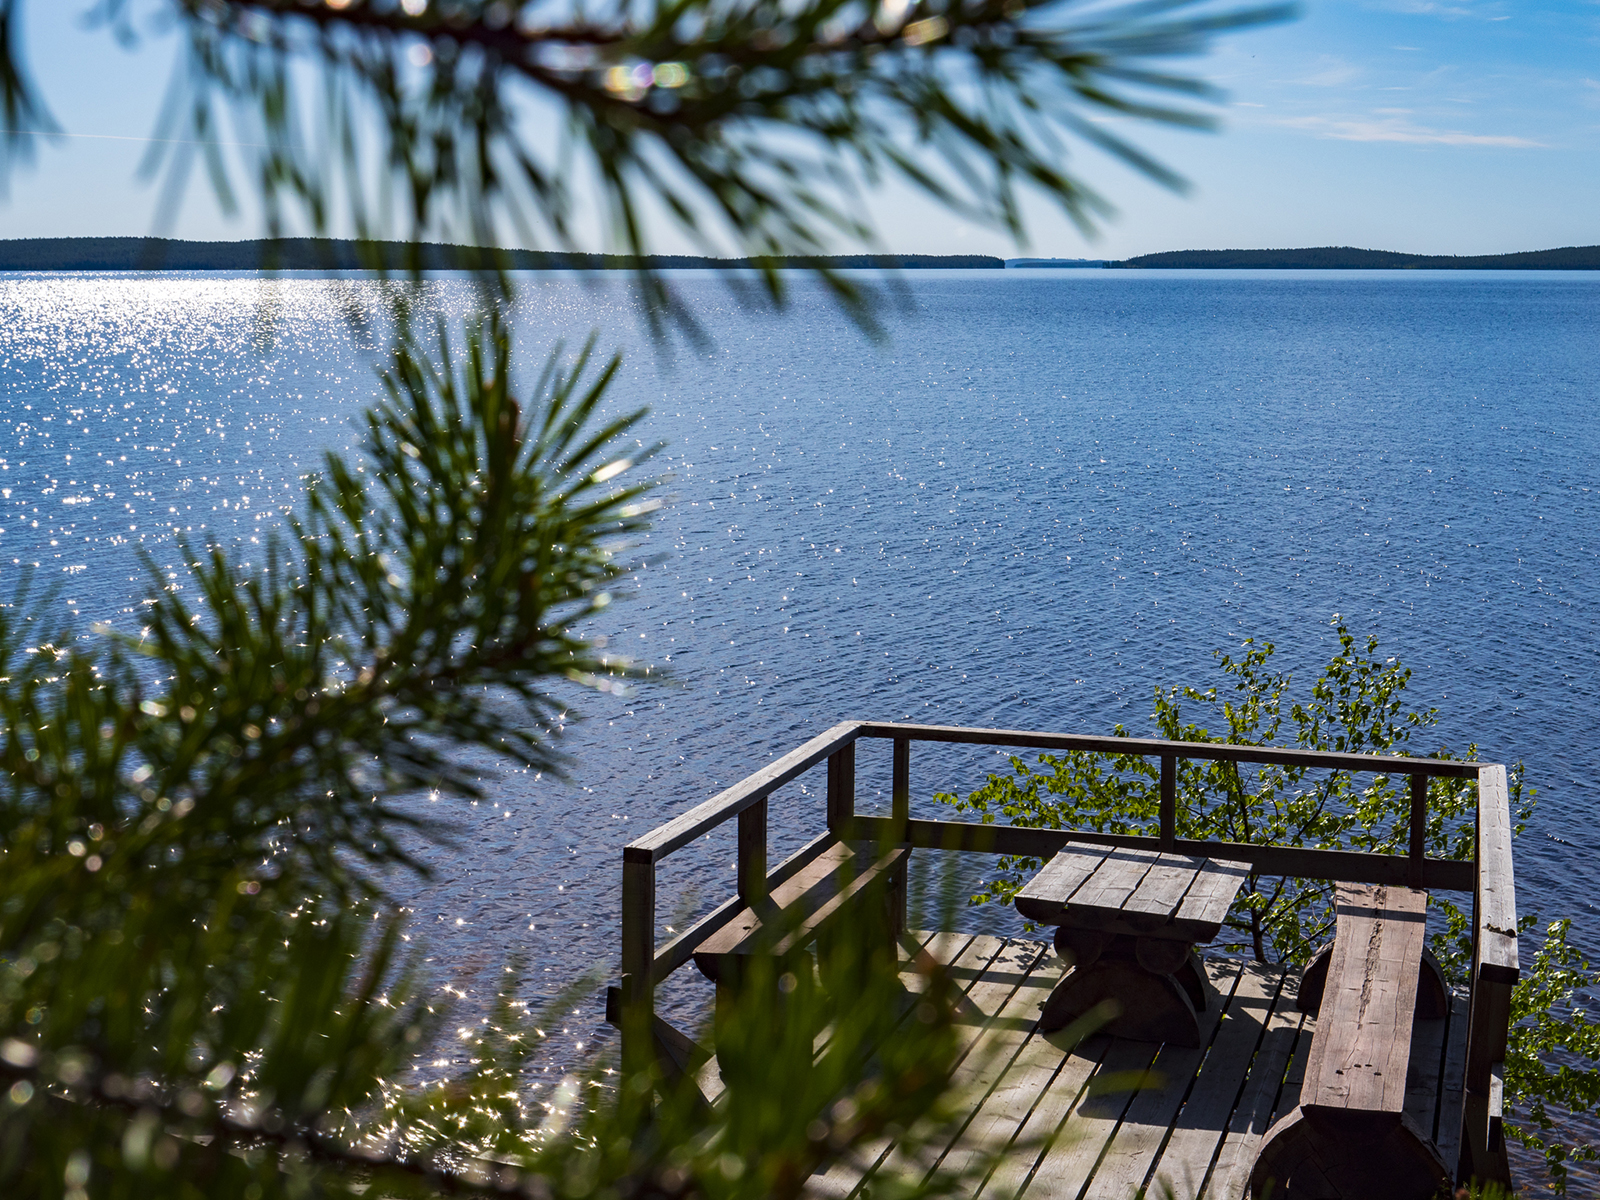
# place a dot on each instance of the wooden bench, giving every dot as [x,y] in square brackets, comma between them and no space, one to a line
[806,905]
[1349,1138]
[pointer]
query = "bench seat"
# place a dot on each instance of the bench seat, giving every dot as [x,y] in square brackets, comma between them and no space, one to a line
[1350,1137]
[813,898]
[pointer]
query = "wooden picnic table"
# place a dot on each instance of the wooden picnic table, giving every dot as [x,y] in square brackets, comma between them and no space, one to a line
[1127,922]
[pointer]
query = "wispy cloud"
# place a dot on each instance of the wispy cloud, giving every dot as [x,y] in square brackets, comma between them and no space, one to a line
[1385,127]
[1427,8]
[1478,10]
[1330,71]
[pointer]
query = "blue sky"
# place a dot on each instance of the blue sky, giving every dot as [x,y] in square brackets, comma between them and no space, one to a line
[1428,126]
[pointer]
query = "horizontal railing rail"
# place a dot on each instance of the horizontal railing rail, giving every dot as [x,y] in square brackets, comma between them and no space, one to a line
[1443,768]
[1488,876]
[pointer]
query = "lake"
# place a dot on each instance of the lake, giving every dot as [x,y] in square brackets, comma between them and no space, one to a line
[1043,495]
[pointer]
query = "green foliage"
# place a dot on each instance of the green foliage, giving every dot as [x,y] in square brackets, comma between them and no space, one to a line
[817,1058]
[1356,706]
[193,932]
[203,990]
[1552,1054]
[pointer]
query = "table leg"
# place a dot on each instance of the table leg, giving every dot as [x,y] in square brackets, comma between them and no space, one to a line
[1155,986]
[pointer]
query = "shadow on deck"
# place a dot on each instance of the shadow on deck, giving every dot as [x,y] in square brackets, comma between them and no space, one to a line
[1109,1116]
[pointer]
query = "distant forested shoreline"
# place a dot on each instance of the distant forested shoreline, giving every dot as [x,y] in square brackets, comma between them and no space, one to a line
[1348,258]
[333,254]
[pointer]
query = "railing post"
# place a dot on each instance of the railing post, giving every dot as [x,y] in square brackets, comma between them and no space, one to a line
[1169,802]
[842,788]
[900,793]
[1419,826]
[1495,969]
[752,862]
[638,959]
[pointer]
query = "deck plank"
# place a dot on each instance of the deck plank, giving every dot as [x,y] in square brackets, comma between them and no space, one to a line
[1240,1147]
[1064,1170]
[1242,1054]
[997,1115]
[997,999]
[1138,1141]
[1257,1107]
[1044,1087]
[974,969]
[1040,1125]
[844,1176]
[1040,1118]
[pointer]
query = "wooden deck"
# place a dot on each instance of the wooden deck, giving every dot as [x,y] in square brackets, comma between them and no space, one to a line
[1109,1117]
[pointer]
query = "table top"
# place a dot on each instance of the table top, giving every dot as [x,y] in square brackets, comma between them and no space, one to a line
[1144,893]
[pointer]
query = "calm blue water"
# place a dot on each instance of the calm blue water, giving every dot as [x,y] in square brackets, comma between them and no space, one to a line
[1044,495]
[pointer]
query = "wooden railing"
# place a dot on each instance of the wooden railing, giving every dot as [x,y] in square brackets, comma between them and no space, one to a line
[1488,876]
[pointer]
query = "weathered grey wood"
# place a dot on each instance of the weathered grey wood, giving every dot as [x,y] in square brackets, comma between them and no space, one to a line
[1495,970]
[681,948]
[751,857]
[1496,896]
[914,956]
[1044,897]
[1231,1064]
[900,783]
[1027,1071]
[1483,1148]
[1495,964]
[1025,1085]
[1065,1077]
[1438,875]
[1105,892]
[1168,816]
[819,892]
[1152,747]
[1193,1148]
[703,818]
[1429,1038]
[1294,1079]
[1149,1007]
[842,787]
[1131,896]
[1419,827]
[638,959]
[845,1177]
[680,1056]
[1433,995]
[1355,1088]
[1009,1030]
[1070,1159]
[1162,890]
[1363,1042]
[984,993]
[1206,904]
[1447,1124]
[1131,1154]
